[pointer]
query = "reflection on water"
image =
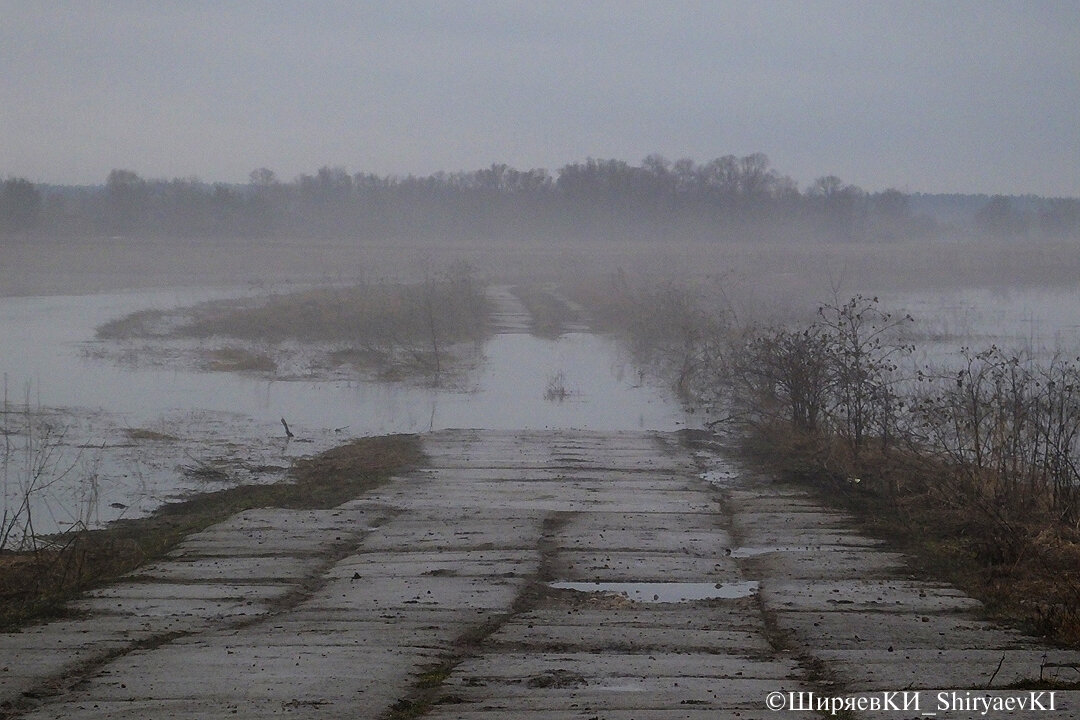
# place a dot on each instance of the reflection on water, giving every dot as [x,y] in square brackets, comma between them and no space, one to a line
[42,345]
[234,420]
[213,417]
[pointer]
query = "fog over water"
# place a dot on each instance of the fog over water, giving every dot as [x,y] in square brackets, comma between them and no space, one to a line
[90,403]
[50,356]
[48,338]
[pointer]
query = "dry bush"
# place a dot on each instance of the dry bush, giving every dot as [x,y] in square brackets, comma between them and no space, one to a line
[1010,428]
[975,472]
[835,375]
[782,374]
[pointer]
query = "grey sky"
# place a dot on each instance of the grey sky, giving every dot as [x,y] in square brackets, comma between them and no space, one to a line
[921,96]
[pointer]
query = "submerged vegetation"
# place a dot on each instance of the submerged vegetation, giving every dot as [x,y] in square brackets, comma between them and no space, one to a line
[34,584]
[391,330]
[973,467]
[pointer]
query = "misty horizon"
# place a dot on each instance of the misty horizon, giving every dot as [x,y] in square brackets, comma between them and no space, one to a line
[725,199]
[549,170]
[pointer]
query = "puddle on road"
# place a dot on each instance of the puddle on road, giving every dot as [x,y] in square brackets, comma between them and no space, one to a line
[674,592]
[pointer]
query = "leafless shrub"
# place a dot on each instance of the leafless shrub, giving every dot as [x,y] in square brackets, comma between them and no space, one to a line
[836,375]
[861,347]
[32,463]
[976,468]
[1009,429]
[783,374]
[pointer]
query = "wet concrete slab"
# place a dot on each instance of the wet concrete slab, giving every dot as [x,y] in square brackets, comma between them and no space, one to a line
[855,610]
[641,566]
[468,589]
[269,569]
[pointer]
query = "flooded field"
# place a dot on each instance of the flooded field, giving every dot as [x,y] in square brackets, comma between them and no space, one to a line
[1042,320]
[135,436]
[125,437]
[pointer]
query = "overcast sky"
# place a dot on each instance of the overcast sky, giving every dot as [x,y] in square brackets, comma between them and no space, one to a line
[921,96]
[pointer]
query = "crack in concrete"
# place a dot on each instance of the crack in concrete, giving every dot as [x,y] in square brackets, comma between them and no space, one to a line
[449,610]
[425,692]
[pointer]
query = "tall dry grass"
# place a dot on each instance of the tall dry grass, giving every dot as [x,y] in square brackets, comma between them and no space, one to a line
[408,327]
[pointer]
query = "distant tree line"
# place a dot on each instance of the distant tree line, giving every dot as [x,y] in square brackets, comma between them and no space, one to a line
[729,198]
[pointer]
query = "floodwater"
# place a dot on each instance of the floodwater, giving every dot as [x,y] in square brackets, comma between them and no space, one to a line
[229,421]
[44,340]
[1040,320]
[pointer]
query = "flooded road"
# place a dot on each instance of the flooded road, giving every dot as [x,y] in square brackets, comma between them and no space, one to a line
[47,345]
[591,566]
[230,422]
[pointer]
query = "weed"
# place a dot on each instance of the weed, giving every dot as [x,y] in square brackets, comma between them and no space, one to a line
[32,461]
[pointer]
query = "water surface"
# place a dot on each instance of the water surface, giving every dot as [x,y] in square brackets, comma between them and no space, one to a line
[233,421]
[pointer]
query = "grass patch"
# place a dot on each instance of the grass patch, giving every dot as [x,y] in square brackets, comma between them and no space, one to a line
[378,312]
[34,586]
[147,434]
[387,328]
[144,323]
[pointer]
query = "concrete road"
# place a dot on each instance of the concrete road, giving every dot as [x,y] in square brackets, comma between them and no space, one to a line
[531,575]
